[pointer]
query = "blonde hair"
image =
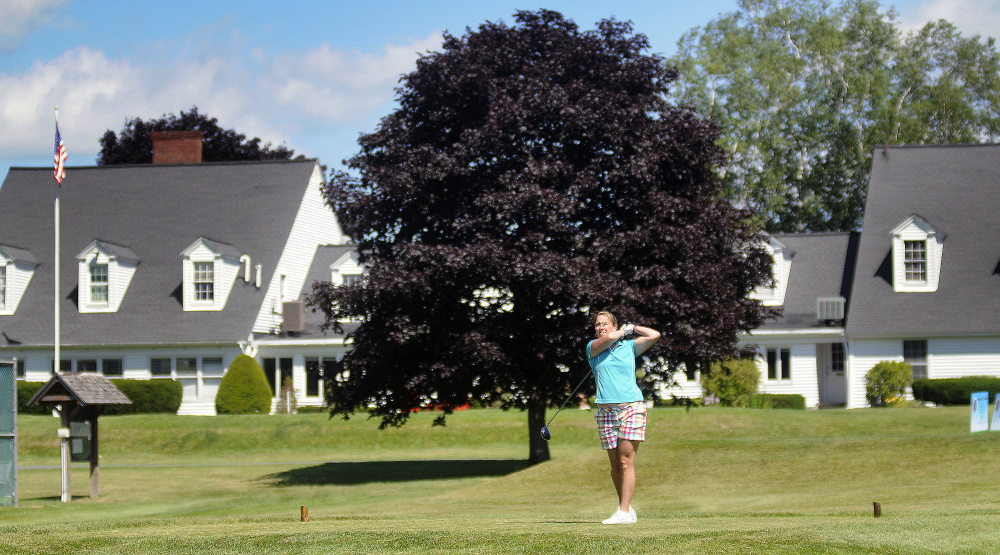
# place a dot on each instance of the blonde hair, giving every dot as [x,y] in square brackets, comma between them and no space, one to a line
[614,321]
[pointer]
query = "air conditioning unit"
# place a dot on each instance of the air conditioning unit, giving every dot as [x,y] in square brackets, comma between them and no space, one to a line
[293,316]
[830,308]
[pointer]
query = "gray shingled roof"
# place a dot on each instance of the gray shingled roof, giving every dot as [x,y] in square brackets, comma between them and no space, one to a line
[88,388]
[320,272]
[956,189]
[156,212]
[822,267]
[18,254]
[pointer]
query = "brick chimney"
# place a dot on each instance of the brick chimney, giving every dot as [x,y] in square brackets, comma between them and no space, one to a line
[177,147]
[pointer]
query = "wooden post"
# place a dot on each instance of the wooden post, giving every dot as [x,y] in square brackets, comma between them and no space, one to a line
[878,509]
[95,471]
[64,453]
[304,513]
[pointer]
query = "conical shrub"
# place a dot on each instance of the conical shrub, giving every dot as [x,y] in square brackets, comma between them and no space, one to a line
[244,389]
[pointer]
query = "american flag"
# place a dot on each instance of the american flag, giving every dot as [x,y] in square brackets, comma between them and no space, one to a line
[60,157]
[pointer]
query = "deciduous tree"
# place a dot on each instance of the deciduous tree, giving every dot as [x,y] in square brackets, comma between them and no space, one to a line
[533,174]
[804,92]
[134,143]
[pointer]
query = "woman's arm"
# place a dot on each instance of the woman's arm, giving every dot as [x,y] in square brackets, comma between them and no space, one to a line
[602,343]
[644,338]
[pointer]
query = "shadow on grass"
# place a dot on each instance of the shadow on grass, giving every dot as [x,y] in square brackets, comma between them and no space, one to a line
[354,473]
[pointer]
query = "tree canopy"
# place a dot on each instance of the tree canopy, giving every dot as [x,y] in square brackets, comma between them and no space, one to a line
[805,91]
[134,143]
[533,174]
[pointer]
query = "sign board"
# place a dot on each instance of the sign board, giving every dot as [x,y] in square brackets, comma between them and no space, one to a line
[980,414]
[80,437]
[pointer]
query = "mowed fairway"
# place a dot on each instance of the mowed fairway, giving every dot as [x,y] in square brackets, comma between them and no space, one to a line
[711,480]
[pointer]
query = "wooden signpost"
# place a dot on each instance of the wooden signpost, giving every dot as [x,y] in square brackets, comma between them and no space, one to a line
[80,398]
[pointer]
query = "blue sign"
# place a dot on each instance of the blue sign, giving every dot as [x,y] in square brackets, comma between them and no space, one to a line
[980,404]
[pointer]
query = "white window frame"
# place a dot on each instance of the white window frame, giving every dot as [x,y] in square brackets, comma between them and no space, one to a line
[782,373]
[921,364]
[204,281]
[3,286]
[120,264]
[904,237]
[226,266]
[98,286]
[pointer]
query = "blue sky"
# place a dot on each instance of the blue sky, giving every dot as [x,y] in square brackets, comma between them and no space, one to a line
[309,74]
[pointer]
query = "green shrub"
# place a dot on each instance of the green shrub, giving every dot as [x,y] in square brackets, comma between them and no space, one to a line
[732,381]
[244,389]
[777,401]
[885,383]
[148,396]
[954,391]
[25,391]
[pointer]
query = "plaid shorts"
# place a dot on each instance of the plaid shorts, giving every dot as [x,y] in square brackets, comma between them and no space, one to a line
[624,422]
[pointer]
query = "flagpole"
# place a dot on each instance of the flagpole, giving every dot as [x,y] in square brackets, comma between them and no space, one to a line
[64,452]
[56,365]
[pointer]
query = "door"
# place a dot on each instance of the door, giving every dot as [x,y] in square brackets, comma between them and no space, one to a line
[831,363]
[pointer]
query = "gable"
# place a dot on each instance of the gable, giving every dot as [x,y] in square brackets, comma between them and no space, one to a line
[17,267]
[781,267]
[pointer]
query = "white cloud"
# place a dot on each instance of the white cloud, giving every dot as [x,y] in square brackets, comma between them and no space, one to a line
[18,17]
[337,86]
[272,97]
[970,16]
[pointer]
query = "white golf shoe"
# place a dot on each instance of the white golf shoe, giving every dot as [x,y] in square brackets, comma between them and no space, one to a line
[620,517]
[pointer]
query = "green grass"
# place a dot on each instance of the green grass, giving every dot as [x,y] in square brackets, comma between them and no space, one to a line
[711,480]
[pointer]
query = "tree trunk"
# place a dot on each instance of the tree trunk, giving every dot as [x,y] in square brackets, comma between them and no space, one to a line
[538,447]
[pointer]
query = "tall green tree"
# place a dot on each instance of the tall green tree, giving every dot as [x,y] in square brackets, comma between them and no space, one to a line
[804,91]
[532,173]
[134,143]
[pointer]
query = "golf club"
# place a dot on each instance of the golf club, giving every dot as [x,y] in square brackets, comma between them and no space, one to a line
[545,429]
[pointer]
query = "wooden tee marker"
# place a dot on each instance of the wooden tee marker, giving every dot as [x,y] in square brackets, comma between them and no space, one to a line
[878,509]
[304,513]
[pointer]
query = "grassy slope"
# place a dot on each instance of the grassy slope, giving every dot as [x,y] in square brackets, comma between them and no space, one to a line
[710,481]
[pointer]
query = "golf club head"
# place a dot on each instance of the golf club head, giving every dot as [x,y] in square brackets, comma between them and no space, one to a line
[545,433]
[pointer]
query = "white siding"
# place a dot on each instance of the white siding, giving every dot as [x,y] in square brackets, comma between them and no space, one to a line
[864,354]
[315,224]
[18,275]
[804,377]
[954,357]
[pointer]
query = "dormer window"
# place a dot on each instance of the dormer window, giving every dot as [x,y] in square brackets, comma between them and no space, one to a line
[781,268]
[917,249]
[915,260]
[204,281]
[105,273]
[98,283]
[210,269]
[17,266]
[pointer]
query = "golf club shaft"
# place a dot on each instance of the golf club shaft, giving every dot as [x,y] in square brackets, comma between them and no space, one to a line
[568,398]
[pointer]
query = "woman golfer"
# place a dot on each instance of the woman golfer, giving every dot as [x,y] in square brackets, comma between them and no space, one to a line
[621,413]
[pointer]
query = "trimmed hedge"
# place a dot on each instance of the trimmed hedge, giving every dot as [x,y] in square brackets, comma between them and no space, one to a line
[244,389]
[777,401]
[147,396]
[25,391]
[954,391]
